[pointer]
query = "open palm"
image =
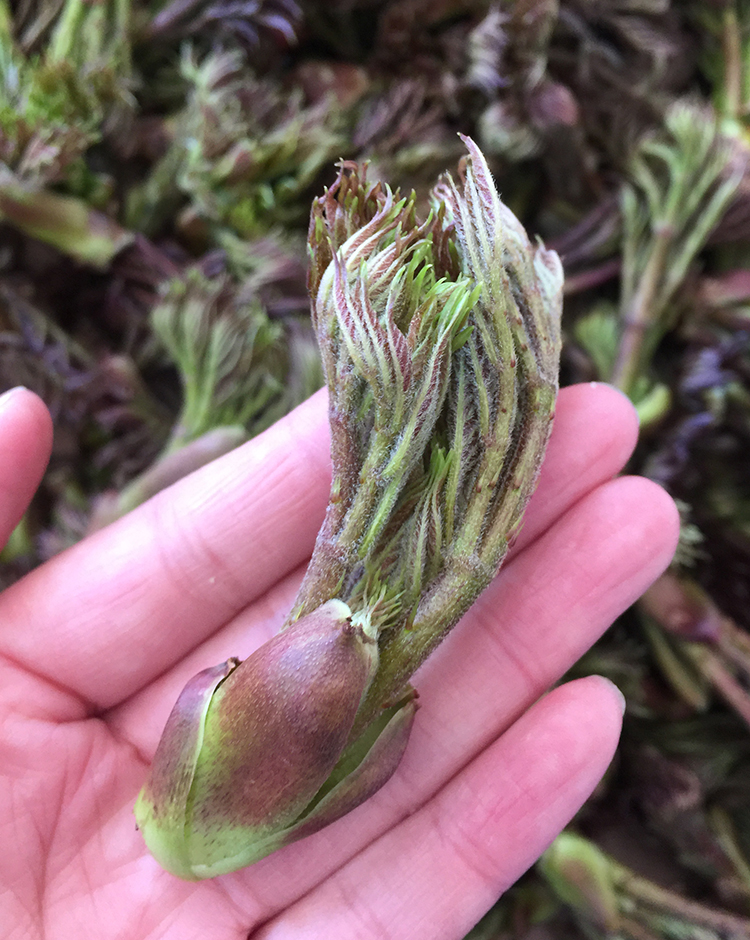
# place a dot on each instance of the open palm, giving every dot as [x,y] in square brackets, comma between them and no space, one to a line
[96,645]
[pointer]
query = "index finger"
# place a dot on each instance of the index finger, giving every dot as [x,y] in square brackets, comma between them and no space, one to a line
[114,611]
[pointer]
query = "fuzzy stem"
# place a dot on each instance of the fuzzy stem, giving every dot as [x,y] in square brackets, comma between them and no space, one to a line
[639,313]
[730,689]
[732,54]
[653,895]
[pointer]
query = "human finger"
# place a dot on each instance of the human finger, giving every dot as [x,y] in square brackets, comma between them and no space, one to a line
[582,409]
[116,611]
[25,444]
[594,435]
[554,600]
[437,872]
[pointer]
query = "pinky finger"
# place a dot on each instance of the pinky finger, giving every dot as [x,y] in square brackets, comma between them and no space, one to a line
[25,445]
[436,874]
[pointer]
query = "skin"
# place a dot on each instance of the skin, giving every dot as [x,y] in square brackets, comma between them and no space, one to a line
[96,645]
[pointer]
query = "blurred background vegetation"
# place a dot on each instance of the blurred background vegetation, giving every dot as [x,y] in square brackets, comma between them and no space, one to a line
[157,164]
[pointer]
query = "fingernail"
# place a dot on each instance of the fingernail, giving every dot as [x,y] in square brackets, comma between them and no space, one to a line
[7,397]
[618,694]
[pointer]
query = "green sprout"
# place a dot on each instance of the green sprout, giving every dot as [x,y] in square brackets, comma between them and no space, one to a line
[681,182]
[440,343]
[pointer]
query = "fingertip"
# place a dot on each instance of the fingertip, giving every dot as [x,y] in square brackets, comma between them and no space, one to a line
[594,434]
[9,396]
[22,410]
[618,403]
[25,432]
[594,707]
[659,517]
[614,691]
[667,512]
[25,446]
[603,410]
[605,700]
[11,399]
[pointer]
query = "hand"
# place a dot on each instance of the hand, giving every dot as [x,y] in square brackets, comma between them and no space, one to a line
[96,645]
